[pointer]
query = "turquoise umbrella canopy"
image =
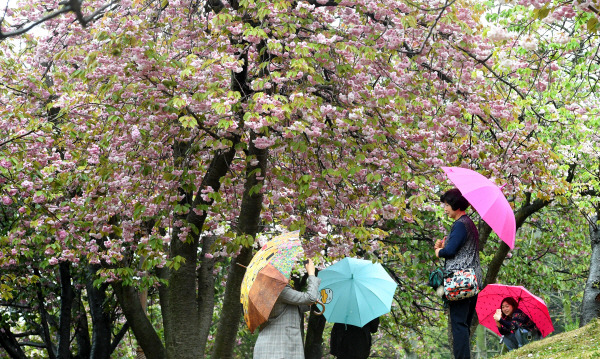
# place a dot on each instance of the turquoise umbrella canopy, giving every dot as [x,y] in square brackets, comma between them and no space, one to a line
[356,291]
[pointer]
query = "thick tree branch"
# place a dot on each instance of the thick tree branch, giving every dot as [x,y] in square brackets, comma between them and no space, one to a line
[9,343]
[142,328]
[118,337]
[44,319]
[66,305]
[248,224]
[317,3]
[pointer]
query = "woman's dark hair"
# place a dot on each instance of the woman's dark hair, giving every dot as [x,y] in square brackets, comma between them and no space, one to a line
[511,301]
[455,199]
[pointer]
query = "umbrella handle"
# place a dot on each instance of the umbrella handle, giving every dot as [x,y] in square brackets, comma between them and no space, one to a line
[322,305]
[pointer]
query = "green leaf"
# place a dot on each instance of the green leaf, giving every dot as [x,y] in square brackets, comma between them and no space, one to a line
[188,121]
[592,24]
[138,209]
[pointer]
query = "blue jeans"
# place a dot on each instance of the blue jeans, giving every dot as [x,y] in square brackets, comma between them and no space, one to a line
[519,338]
[461,315]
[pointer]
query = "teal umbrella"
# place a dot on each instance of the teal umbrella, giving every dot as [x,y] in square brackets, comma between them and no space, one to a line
[356,291]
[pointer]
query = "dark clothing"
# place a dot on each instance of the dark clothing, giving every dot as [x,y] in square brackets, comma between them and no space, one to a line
[461,251]
[518,319]
[462,247]
[461,315]
[519,337]
[458,236]
[517,329]
[352,342]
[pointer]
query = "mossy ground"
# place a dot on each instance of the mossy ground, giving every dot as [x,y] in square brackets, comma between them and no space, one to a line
[582,343]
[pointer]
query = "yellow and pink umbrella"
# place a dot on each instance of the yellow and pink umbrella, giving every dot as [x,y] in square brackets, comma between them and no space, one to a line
[266,276]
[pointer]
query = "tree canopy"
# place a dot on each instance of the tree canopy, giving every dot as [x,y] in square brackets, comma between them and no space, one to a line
[143,140]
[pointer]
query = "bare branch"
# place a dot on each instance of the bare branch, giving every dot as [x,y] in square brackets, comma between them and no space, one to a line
[68,6]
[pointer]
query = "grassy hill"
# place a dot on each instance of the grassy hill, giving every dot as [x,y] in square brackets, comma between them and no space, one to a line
[582,343]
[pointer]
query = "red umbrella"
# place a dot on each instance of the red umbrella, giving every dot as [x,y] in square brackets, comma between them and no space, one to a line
[490,299]
[487,199]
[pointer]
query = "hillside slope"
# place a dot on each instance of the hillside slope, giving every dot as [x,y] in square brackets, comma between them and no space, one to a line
[582,343]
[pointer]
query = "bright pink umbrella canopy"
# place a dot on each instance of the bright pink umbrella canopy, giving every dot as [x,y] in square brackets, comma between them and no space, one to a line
[487,199]
[490,299]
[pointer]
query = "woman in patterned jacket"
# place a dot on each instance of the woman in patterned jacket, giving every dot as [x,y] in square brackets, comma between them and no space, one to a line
[461,251]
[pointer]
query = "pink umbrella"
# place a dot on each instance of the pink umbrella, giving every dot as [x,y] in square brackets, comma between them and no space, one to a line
[487,199]
[490,298]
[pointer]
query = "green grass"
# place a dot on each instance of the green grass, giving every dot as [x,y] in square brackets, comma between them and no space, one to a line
[582,343]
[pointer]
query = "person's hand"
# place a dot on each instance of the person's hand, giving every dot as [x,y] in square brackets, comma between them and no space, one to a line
[310,267]
[439,244]
[498,315]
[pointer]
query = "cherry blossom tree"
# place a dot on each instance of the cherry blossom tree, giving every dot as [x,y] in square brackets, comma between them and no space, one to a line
[162,124]
[555,44]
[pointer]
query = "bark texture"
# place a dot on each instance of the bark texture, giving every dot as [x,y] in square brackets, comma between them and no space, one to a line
[143,330]
[101,322]
[248,224]
[66,305]
[9,343]
[591,295]
[206,293]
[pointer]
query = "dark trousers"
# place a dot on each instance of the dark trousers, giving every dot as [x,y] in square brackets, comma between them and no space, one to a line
[519,338]
[461,315]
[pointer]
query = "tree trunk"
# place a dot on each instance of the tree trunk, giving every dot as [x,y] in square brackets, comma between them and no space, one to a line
[66,305]
[182,336]
[248,224]
[82,335]
[136,317]
[496,264]
[9,343]
[493,269]
[50,348]
[206,293]
[591,295]
[182,326]
[249,216]
[484,234]
[520,217]
[182,329]
[144,302]
[313,348]
[101,322]
[165,305]
[118,337]
[229,319]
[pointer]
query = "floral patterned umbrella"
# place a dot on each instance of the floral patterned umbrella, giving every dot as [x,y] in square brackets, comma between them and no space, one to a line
[266,276]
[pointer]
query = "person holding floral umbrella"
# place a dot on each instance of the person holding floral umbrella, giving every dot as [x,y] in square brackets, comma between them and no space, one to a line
[280,337]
